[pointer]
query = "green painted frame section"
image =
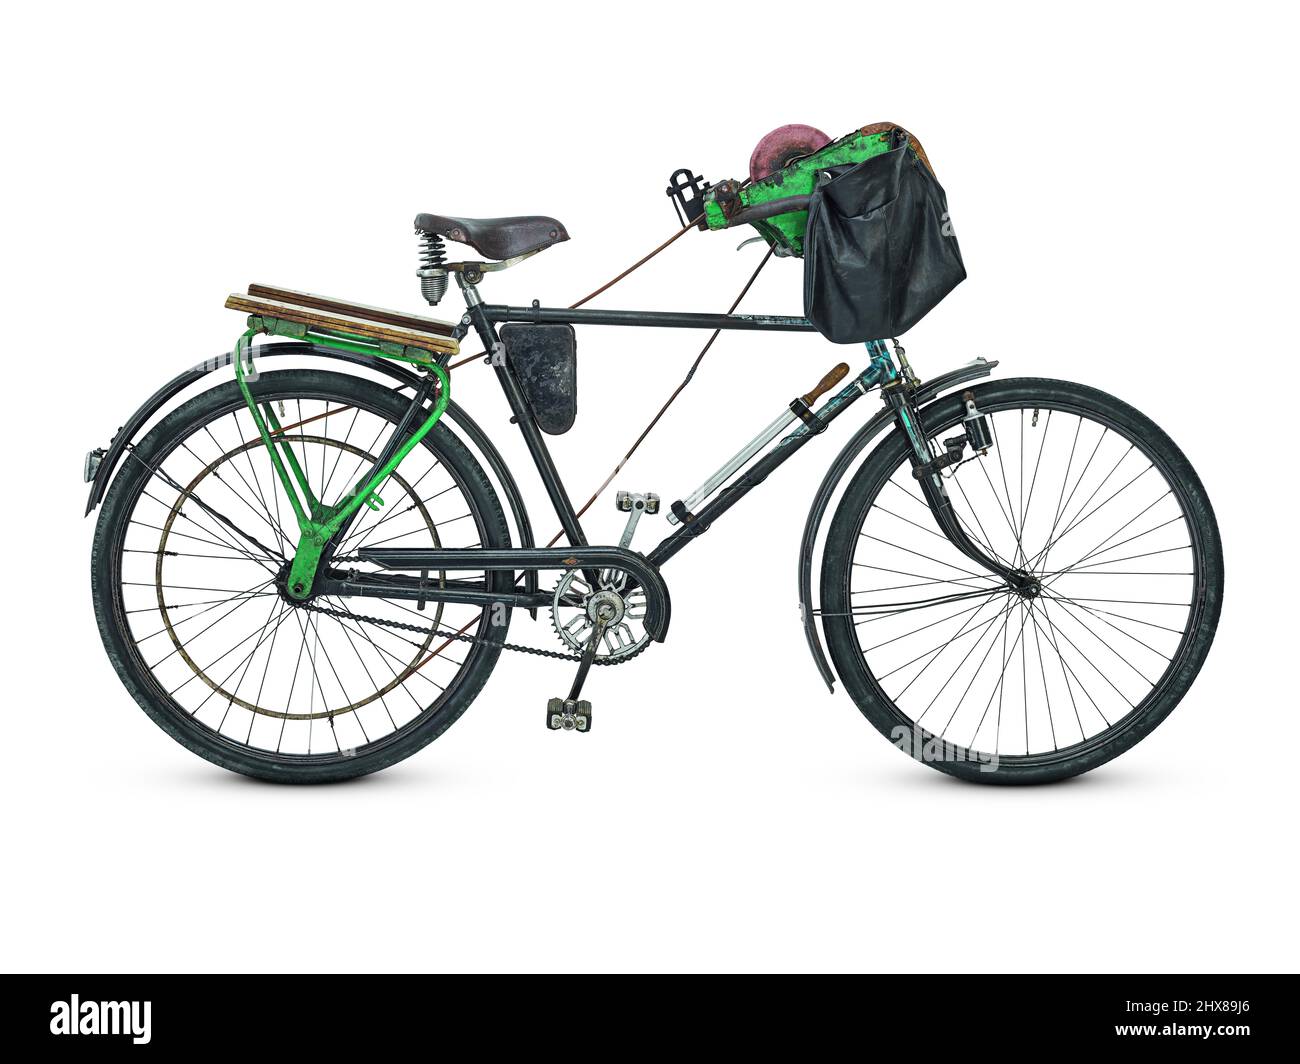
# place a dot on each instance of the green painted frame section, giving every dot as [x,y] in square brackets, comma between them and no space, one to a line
[343,341]
[318,521]
[786,231]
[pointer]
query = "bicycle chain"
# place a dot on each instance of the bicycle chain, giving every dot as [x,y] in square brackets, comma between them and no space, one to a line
[460,637]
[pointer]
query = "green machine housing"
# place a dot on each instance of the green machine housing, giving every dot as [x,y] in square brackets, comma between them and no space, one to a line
[727,200]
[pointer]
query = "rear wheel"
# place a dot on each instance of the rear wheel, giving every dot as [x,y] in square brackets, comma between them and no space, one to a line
[999,685]
[189,561]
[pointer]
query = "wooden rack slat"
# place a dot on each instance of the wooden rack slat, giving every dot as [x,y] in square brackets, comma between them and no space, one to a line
[356,310]
[367,327]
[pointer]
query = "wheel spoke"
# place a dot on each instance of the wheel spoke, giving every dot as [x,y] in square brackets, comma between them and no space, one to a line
[1065,664]
[997,448]
[938,649]
[1004,615]
[344,547]
[257,591]
[1071,523]
[987,541]
[931,624]
[974,675]
[1047,698]
[927,557]
[1042,442]
[1101,617]
[285,544]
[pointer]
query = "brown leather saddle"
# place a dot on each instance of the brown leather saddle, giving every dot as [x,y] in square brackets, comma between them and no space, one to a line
[495,238]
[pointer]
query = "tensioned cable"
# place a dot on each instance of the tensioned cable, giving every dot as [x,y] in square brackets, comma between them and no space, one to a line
[676,391]
[608,284]
[671,399]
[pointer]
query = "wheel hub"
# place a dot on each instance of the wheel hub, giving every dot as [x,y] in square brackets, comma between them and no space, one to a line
[1025,584]
[282,586]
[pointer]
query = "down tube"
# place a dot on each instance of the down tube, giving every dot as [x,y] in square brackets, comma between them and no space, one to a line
[881,369]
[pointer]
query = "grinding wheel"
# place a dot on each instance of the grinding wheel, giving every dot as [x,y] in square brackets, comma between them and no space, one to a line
[783,145]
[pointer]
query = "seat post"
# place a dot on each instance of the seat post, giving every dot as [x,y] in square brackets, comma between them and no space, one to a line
[468,284]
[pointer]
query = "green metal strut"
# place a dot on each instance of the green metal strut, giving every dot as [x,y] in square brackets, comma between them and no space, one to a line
[318,522]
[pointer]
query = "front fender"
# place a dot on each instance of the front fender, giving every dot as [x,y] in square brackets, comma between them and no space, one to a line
[839,468]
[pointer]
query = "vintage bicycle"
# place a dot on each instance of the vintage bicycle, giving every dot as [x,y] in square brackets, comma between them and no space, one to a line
[307,574]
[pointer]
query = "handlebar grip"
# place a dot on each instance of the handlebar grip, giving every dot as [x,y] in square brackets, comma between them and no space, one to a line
[827,383]
[769,209]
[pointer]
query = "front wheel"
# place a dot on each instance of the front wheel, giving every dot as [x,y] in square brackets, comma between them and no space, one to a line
[1002,684]
[188,572]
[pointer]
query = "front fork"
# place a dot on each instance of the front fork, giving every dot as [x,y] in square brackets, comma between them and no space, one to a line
[927,469]
[319,522]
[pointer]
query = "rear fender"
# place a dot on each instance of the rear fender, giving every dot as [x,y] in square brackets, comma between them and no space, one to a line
[132,429]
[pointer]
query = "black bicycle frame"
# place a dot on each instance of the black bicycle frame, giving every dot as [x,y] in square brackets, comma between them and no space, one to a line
[643,570]
[485,317]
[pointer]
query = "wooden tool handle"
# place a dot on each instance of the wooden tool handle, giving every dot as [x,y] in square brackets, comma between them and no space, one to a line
[827,383]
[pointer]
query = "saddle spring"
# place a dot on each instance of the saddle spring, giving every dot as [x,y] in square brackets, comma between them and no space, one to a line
[432,273]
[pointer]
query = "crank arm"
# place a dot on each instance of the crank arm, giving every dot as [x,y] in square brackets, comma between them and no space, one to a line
[588,656]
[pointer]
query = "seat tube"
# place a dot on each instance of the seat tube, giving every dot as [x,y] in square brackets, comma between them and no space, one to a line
[522,414]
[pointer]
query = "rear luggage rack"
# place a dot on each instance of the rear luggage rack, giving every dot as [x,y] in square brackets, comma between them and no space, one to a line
[303,316]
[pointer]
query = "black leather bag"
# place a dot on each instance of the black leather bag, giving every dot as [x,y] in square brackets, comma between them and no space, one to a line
[545,359]
[879,253]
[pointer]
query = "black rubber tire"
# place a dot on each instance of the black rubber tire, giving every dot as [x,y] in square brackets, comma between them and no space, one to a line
[106,591]
[937,418]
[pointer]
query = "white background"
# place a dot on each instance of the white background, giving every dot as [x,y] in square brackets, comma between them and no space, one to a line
[1121,179]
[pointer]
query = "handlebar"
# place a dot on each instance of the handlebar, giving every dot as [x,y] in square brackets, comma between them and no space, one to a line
[768,210]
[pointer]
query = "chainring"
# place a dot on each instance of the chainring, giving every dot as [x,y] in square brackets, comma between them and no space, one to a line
[571,615]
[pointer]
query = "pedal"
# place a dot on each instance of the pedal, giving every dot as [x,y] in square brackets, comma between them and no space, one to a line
[625,501]
[564,714]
